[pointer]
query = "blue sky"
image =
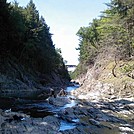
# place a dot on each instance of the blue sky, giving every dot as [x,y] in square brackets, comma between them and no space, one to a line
[65,17]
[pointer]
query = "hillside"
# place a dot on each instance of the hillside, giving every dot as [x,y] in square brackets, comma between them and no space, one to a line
[107,52]
[100,83]
[29,62]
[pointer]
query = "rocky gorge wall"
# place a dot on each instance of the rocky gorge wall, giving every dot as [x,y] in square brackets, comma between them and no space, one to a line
[100,83]
[18,81]
[111,98]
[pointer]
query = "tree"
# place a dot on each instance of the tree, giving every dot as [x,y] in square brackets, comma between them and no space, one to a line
[112,34]
[4,24]
[27,37]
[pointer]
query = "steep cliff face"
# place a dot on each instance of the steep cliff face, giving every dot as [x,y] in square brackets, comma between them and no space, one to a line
[107,80]
[20,82]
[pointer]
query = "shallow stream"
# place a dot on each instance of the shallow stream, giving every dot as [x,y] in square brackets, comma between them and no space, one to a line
[43,108]
[100,117]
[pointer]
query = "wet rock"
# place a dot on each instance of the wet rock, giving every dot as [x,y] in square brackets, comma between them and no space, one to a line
[32,125]
[68,115]
[58,101]
[77,130]
[51,123]
[94,122]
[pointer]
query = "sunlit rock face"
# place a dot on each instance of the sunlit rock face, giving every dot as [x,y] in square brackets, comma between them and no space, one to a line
[99,82]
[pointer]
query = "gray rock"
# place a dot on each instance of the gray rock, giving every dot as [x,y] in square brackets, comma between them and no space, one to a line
[94,122]
[58,101]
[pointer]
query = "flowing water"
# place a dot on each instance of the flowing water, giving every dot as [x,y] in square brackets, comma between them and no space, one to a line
[66,125]
[43,108]
[112,125]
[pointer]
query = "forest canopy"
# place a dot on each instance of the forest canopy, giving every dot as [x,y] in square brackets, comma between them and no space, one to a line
[25,35]
[111,34]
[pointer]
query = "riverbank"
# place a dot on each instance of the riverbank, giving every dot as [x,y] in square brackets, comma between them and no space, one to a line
[84,118]
[35,116]
[22,82]
[41,121]
[111,97]
[24,124]
[70,115]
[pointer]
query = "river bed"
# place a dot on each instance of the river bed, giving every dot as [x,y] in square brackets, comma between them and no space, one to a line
[68,115]
[43,108]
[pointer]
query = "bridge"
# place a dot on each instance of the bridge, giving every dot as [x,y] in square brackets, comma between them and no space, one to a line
[71,68]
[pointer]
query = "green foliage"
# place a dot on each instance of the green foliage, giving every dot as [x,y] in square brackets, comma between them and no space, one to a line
[89,42]
[127,68]
[81,69]
[26,35]
[114,29]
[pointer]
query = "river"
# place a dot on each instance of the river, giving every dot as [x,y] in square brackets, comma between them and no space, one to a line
[43,108]
[76,116]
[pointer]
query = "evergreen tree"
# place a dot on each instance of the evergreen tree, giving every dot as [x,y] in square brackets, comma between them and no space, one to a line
[113,33]
[27,37]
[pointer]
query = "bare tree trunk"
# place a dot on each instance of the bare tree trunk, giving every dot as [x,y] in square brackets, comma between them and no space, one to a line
[113,70]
